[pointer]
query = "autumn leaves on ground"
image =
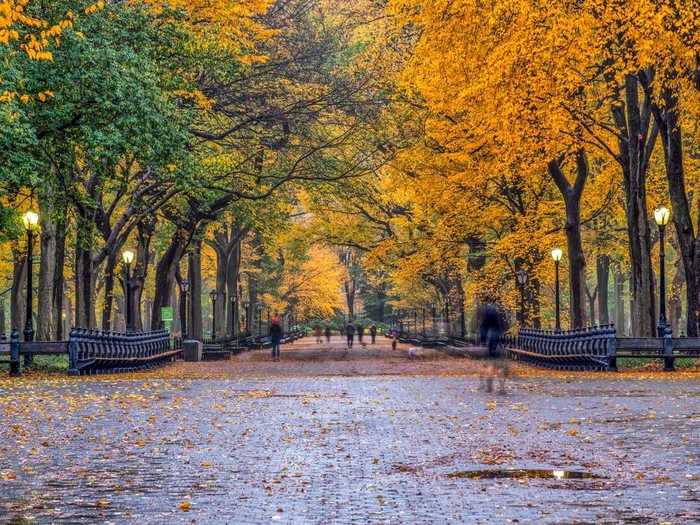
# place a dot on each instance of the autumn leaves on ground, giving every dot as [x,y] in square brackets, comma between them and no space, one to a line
[369,435]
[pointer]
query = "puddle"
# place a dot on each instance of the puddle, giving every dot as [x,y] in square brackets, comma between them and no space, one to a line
[523,474]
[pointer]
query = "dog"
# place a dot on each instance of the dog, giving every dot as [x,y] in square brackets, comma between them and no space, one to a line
[412,352]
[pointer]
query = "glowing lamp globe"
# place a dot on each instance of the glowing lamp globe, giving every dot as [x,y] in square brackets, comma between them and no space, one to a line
[662,215]
[30,220]
[128,256]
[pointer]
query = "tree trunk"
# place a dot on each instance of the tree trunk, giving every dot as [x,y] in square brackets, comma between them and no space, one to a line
[533,316]
[462,312]
[144,234]
[636,144]
[591,295]
[68,321]
[689,244]
[146,318]
[577,261]
[620,321]
[675,305]
[177,311]
[349,286]
[165,275]
[252,303]
[3,318]
[221,298]
[58,289]
[194,274]
[119,317]
[47,261]
[232,279]
[108,297]
[18,294]
[603,279]
[84,311]
[181,306]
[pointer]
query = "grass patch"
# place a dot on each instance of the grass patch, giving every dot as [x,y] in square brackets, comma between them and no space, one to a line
[642,363]
[50,363]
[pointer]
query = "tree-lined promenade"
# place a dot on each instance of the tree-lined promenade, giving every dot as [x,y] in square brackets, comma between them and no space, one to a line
[322,158]
[443,192]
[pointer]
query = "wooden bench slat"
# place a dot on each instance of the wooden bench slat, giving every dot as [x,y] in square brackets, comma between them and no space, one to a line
[639,343]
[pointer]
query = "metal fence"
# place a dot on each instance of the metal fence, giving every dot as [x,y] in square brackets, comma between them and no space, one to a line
[592,348]
[94,351]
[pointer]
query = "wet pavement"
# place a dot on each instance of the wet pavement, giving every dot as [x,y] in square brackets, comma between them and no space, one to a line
[368,436]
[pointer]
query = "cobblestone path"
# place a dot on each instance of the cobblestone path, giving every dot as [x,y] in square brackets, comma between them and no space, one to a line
[328,436]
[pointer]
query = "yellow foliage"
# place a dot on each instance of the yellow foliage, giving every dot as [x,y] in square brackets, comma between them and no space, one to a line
[311,285]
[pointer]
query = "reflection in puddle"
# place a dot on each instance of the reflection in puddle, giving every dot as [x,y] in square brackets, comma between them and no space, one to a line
[523,474]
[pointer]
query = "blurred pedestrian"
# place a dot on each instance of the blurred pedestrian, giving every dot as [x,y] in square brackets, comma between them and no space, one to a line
[317,334]
[373,333]
[360,332]
[350,332]
[276,334]
[328,335]
[492,326]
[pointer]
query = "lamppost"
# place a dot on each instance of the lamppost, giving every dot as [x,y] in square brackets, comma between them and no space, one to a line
[521,276]
[212,296]
[260,309]
[31,221]
[128,258]
[423,312]
[184,287]
[661,216]
[556,255]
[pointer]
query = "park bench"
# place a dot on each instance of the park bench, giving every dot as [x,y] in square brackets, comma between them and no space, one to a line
[224,348]
[93,351]
[592,348]
[29,348]
[597,348]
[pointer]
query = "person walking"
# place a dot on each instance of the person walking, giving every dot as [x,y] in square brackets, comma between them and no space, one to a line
[317,334]
[350,332]
[373,333]
[491,328]
[276,336]
[328,335]
[360,332]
